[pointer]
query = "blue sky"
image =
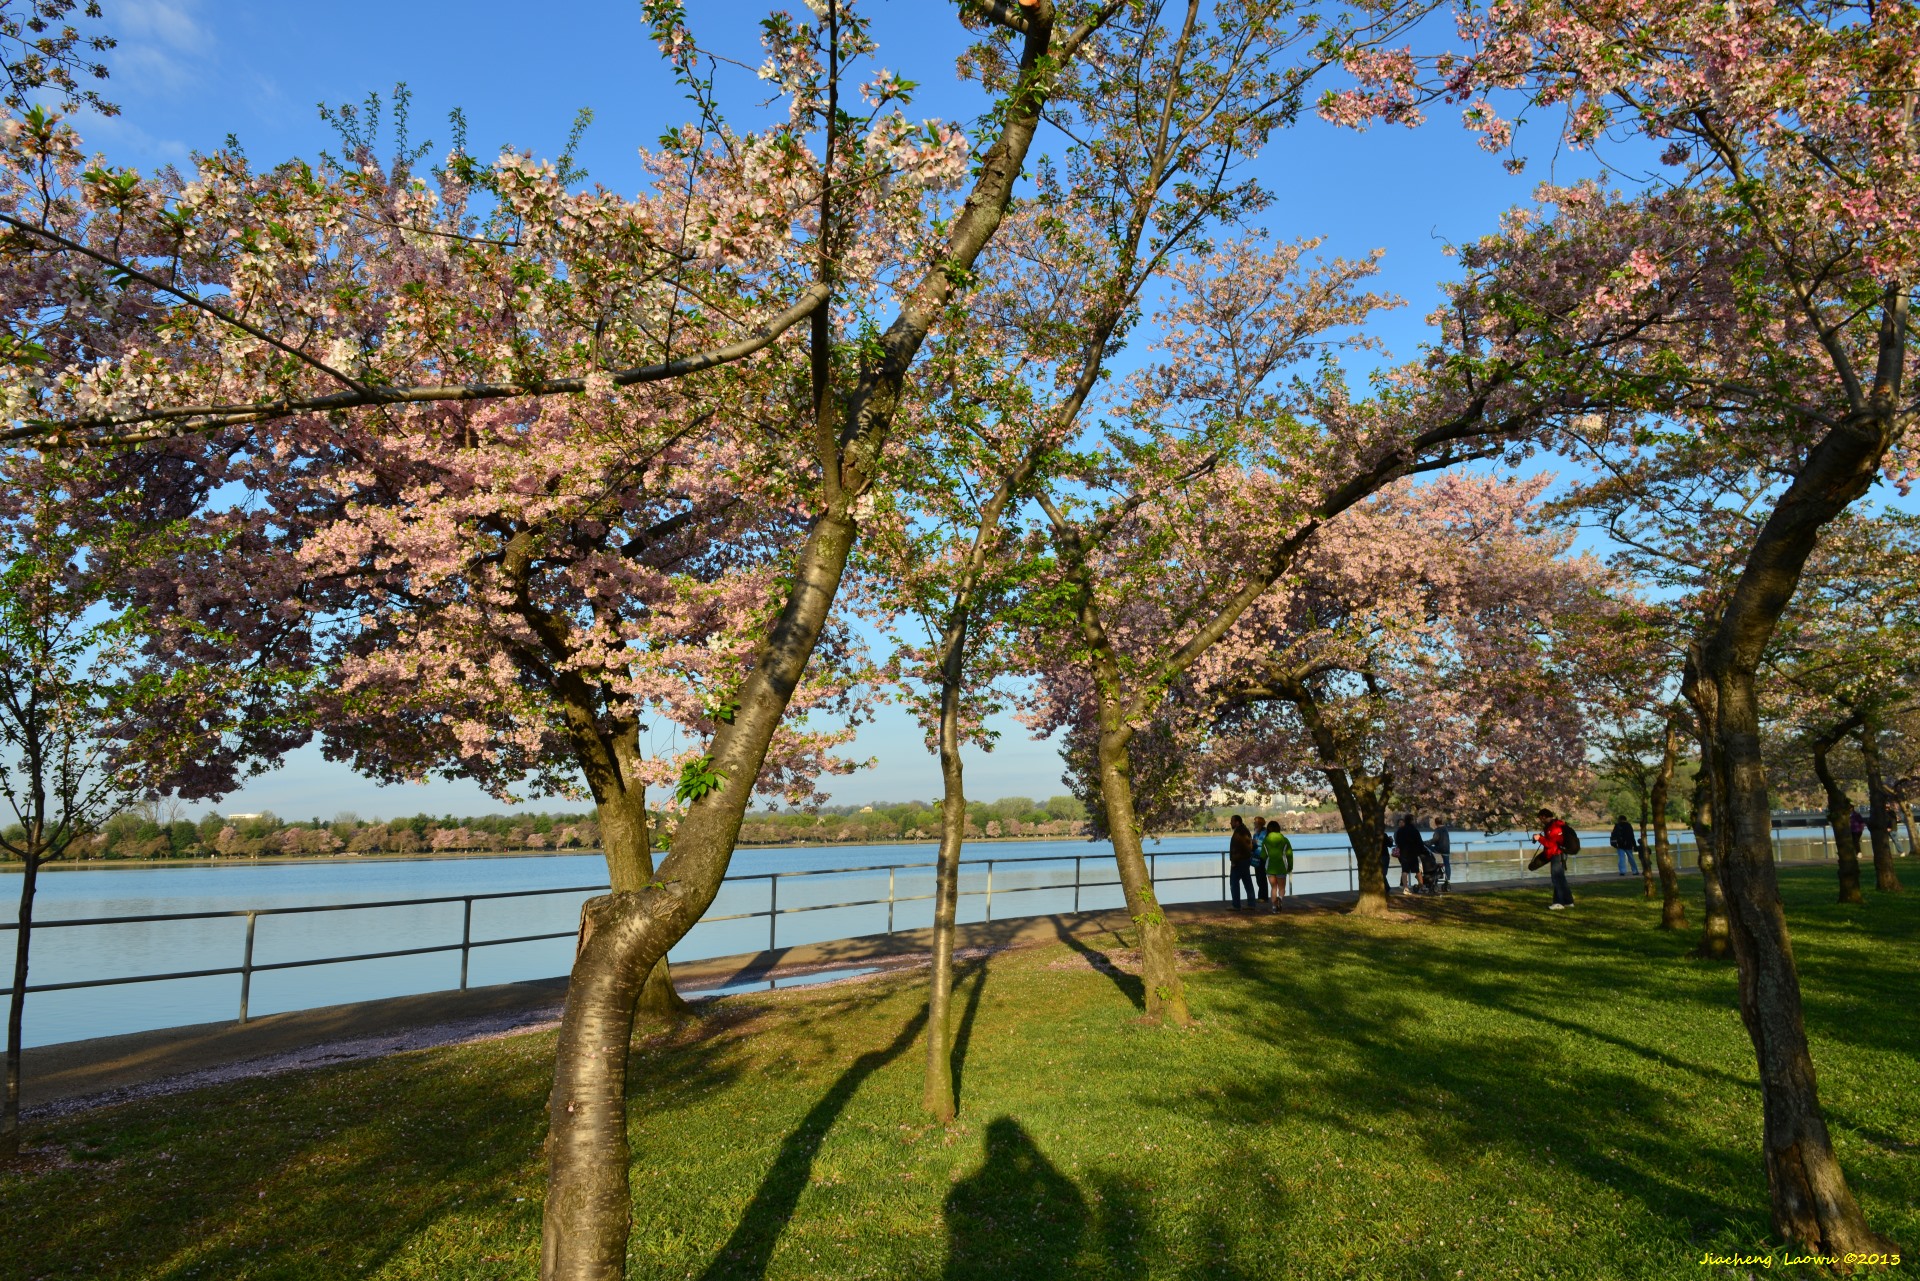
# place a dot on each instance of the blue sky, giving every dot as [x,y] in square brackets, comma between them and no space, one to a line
[190,72]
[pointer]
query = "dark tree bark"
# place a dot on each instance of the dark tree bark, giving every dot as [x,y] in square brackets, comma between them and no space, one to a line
[1673,908]
[1811,1201]
[16,1011]
[1839,817]
[1879,812]
[1361,795]
[626,933]
[1715,932]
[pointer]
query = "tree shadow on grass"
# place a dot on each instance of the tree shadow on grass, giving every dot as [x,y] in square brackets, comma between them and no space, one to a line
[749,1249]
[283,1178]
[963,1035]
[1016,1216]
[1131,986]
[1459,1092]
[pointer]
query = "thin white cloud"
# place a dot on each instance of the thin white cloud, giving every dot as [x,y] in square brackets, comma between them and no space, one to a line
[162,43]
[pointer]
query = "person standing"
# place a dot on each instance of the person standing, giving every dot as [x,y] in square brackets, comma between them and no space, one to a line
[1553,840]
[1386,862]
[1442,846]
[1240,857]
[1279,852]
[1408,845]
[1260,857]
[1624,845]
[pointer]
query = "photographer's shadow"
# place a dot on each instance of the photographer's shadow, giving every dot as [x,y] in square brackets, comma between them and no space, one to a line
[1016,1216]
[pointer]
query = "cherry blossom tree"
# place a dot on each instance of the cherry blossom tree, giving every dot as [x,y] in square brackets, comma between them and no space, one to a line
[347,292]
[1158,130]
[1843,667]
[43,51]
[1789,144]
[1431,649]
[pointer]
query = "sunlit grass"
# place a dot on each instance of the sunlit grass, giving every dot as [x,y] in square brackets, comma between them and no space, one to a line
[1488,1090]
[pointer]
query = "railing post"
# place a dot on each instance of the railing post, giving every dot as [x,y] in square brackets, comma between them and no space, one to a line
[466,939]
[989,889]
[773,910]
[890,872]
[1076,883]
[1223,876]
[246,968]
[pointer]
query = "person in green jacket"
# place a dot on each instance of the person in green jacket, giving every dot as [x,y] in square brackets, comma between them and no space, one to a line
[1279,852]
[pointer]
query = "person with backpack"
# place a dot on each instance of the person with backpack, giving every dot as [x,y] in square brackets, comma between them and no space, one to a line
[1260,857]
[1240,856]
[1624,845]
[1279,861]
[1557,842]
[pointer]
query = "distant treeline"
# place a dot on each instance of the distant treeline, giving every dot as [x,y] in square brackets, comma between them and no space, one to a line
[148,833]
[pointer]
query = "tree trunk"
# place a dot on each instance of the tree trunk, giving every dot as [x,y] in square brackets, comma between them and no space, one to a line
[627,840]
[1839,816]
[1715,939]
[1906,817]
[1811,1202]
[938,1096]
[1363,811]
[1166,995]
[589,1209]
[625,934]
[1362,798]
[1673,908]
[16,1011]
[1646,863]
[1879,813]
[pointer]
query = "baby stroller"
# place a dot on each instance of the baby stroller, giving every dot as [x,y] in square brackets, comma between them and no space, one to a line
[1432,875]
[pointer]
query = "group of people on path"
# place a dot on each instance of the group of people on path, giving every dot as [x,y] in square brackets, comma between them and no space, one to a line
[1426,864]
[1261,860]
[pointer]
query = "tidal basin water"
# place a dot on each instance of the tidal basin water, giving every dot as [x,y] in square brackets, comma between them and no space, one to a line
[1028,878]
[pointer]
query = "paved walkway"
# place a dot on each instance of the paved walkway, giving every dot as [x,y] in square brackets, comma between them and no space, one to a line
[80,1074]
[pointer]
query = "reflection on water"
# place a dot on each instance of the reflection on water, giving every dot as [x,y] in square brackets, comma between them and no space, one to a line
[840,902]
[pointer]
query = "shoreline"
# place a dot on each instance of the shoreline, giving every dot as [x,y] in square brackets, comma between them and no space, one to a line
[128,864]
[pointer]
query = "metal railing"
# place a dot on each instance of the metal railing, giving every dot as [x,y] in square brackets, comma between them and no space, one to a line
[1464,858]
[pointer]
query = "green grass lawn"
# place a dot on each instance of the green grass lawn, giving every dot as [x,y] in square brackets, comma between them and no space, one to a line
[1486,1089]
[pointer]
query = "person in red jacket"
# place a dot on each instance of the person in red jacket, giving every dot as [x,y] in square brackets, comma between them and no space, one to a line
[1553,843]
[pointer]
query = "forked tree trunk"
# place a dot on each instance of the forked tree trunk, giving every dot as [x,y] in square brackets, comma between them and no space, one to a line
[1166,994]
[1839,817]
[16,1011]
[1673,908]
[1362,797]
[1879,813]
[627,840]
[938,1096]
[625,934]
